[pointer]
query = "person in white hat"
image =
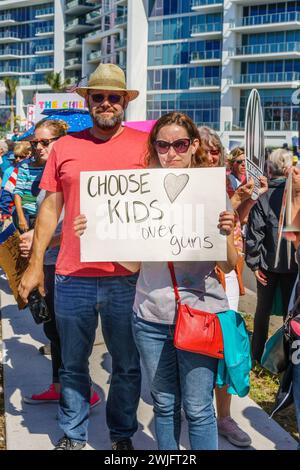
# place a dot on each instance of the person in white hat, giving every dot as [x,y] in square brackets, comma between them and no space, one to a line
[83,290]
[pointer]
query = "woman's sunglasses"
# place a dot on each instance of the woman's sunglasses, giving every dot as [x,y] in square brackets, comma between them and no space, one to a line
[180,146]
[113,99]
[44,142]
[239,162]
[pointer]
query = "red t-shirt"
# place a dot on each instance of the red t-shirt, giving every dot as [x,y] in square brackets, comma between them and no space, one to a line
[83,152]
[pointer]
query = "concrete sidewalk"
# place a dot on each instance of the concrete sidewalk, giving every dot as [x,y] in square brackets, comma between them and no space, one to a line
[35,427]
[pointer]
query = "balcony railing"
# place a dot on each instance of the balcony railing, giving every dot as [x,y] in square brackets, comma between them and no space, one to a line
[73,61]
[45,66]
[119,44]
[93,15]
[76,3]
[269,77]
[44,11]
[46,48]
[268,19]
[8,51]
[45,30]
[7,17]
[205,55]
[73,42]
[94,55]
[200,3]
[203,82]
[274,125]
[121,20]
[10,68]
[212,125]
[206,28]
[274,48]
[9,34]
[76,22]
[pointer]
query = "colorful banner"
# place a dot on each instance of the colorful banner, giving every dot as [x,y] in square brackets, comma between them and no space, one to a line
[54,101]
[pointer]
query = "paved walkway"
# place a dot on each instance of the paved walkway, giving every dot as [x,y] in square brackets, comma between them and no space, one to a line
[31,427]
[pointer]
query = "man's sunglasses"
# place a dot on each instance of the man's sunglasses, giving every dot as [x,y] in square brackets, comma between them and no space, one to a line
[180,146]
[113,99]
[44,142]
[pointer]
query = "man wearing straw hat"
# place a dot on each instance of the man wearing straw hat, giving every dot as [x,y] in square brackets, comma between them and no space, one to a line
[85,289]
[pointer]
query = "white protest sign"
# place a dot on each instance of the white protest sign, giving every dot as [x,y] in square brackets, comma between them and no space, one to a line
[54,101]
[254,141]
[153,215]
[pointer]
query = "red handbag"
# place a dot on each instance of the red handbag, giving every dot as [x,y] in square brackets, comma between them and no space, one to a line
[196,331]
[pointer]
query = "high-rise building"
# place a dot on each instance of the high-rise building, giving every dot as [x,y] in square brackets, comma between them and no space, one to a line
[261,49]
[30,33]
[201,57]
[204,57]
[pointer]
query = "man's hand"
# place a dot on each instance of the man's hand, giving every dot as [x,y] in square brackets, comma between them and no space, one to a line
[263,186]
[261,277]
[244,191]
[80,225]
[32,278]
[25,244]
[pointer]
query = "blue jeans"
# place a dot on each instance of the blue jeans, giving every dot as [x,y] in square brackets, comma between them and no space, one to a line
[78,301]
[177,377]
[296,392]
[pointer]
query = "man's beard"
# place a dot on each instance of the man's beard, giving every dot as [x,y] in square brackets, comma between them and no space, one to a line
[107,123]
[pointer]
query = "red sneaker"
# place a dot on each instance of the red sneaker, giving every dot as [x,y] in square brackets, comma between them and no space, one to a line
[49,396]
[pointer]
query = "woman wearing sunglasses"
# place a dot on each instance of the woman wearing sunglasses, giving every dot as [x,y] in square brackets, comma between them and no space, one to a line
[29,176]
[177,378]
[213,156]
[237,166]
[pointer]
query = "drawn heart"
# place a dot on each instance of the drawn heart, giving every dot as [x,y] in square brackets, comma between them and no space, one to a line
[174,185]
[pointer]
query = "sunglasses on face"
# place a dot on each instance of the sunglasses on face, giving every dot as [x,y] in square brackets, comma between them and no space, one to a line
[239,162]
[180,146]
[44,142]
[113,99]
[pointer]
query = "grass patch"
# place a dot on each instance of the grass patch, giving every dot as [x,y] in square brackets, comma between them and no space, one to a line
[263,390]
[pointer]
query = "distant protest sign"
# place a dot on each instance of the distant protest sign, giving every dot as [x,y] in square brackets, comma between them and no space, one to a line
[153,215]
[55,101]
[254,141]
[11,261]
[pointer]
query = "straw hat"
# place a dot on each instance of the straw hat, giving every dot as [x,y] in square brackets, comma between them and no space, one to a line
[107,77]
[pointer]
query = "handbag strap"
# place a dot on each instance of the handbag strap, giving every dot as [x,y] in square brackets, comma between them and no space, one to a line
[294,311]
[174,282]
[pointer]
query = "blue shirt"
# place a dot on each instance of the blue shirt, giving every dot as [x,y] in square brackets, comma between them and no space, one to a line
[6,175]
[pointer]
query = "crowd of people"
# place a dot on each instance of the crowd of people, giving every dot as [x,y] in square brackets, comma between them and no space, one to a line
[137,301]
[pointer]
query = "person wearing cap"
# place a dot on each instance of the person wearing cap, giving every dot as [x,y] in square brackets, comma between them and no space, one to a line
[83,290]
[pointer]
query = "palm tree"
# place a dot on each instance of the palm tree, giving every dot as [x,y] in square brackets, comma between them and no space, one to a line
[11,89]
[55,81]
